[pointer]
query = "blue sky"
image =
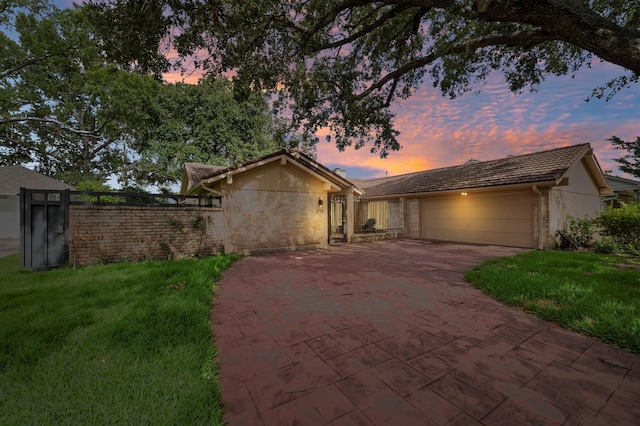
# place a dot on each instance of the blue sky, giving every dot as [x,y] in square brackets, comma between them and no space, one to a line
[439,132]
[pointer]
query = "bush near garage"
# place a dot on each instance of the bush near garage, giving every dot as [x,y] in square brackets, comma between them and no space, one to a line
[615,230]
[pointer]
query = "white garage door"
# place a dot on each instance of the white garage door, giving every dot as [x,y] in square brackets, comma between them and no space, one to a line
[500,218]
[9,216]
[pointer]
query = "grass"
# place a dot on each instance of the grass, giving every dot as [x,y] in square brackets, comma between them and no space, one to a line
[592,294]
[124,343]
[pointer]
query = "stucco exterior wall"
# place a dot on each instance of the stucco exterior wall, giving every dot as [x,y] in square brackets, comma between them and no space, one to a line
[411,220]
[274,207]
[578,199]
[117,233]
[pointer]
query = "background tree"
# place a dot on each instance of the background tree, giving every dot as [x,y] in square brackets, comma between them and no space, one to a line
[204,123]
[340,64]
[630,163]
[70,111]
[13,58]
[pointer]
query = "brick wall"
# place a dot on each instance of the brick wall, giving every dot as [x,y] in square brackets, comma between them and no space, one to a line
[118,233]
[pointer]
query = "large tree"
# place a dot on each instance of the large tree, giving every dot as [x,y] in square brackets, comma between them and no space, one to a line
[341,64]
[62,105]
[205,123]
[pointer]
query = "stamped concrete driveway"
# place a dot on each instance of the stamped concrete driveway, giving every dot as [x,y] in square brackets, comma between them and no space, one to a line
[389,333]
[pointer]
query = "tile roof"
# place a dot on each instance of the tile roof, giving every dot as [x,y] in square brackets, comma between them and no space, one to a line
[542,166]
[365,183]
[196,172]
[12,178]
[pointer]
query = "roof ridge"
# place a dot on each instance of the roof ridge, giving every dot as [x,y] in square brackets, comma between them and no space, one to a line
[485,161]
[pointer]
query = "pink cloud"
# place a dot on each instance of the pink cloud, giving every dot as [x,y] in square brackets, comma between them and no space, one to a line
[438,132]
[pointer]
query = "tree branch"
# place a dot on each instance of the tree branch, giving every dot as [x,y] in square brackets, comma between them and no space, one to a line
[87,133]
[366,30]
[517,38]
[100,147]
[571,21]
[23,146]
[26,63]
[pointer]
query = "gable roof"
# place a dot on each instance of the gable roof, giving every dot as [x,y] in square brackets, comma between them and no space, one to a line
[195,172]
[542,168]
[12,178]
[199,174]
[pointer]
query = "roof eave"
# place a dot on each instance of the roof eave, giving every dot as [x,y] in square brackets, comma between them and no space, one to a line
[335,182]
[596,172]
[539,184]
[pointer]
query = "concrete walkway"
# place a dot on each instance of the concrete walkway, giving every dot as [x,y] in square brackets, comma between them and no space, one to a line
[9,246]
[388,333]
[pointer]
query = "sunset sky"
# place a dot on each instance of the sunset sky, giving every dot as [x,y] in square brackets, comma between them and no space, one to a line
[439,132]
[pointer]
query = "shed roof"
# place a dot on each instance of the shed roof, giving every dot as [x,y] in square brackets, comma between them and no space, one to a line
[12,178]
[540,167]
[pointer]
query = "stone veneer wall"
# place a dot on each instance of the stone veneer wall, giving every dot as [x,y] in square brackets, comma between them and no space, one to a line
[375,236]
[104,234]
[411,220]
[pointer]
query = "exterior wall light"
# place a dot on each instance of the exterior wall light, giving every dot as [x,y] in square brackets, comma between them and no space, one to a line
[320,202]
[463,193]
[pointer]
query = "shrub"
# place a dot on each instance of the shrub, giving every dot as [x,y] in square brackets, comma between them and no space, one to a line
[632,248]
[578,233]
[605,245]
[622,224]
[95,186]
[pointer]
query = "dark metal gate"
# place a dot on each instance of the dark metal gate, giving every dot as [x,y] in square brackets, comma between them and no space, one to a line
[43,223]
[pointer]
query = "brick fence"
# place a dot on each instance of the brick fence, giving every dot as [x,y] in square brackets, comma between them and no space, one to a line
[112,233]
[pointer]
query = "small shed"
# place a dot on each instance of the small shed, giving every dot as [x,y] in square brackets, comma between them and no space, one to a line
[12,178]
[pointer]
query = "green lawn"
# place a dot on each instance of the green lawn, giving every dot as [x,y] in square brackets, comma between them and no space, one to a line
[127,343]
[593,294]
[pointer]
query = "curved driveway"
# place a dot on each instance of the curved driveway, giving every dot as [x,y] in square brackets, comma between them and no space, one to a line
[390,333]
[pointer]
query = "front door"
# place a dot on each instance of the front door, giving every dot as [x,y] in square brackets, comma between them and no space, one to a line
[338,218]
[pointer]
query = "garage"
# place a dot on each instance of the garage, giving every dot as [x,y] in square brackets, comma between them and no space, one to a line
[500,218]
[518,201]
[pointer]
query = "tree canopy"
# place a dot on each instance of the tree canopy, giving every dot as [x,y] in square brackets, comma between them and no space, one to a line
[341,64]
[62,105]
[82,117]
[630,162]
[204,123]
